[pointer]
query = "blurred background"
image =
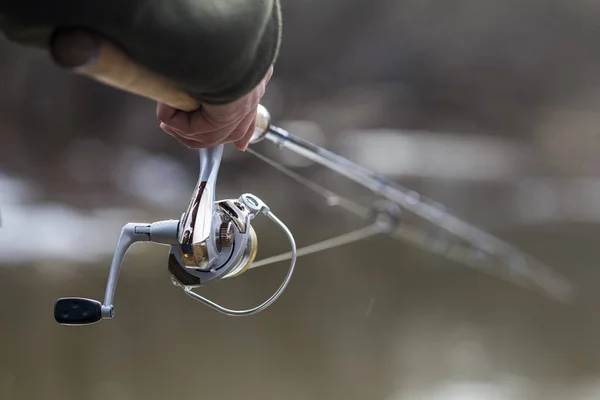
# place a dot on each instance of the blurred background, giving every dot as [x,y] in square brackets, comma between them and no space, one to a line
[489,107]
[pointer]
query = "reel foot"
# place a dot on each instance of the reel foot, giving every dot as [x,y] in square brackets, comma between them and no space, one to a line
[77,311]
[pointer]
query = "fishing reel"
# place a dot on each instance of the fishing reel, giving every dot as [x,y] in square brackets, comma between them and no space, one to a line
[213,240]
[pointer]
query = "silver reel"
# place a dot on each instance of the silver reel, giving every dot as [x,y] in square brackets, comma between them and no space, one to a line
[213,240]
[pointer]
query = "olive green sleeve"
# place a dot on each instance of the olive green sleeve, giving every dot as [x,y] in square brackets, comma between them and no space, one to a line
[215,50]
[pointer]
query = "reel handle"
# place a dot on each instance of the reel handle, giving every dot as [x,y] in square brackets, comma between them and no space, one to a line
[82,311]
[78,311]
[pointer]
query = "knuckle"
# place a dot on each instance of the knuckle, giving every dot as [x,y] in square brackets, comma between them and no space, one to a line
[162,112]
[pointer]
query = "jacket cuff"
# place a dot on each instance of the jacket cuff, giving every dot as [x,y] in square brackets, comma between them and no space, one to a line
[265,56]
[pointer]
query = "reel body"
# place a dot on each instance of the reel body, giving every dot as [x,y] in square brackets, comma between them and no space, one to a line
[234,248]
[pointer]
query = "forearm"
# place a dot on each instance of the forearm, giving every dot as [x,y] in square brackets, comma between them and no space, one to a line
[215,50]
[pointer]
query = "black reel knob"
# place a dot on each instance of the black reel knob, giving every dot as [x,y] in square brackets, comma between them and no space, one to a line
[77,311]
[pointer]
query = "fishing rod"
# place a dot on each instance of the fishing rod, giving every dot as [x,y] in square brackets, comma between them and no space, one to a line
[215,239]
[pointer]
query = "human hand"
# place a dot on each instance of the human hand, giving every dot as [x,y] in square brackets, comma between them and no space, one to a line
[212,125]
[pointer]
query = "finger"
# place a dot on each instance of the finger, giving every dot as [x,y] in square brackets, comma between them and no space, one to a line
[240,131]
[214,133]
[178,120]
[243,143]
[208,138]
[225,135]
[195,135]
[165,112]
[212,138]
[192,125]
[192,144]
[187,123]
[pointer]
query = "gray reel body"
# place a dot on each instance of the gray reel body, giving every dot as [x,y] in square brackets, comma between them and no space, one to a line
[213,240]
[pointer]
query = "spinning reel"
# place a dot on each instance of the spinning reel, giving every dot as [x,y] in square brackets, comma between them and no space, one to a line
[213,240]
